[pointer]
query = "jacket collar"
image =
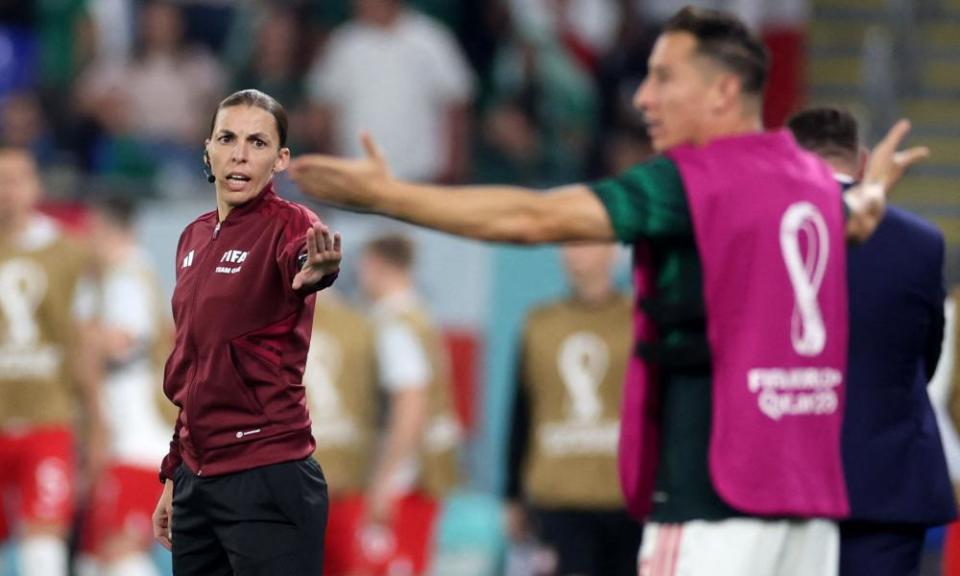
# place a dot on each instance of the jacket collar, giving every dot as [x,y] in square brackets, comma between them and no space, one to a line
[241,212]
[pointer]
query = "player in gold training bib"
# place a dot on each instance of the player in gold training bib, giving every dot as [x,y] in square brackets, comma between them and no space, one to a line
[562,479]
[134,338]
[415,460]
[340,379]
[41,370]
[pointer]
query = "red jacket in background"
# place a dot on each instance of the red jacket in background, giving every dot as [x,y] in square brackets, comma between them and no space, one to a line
[242,335]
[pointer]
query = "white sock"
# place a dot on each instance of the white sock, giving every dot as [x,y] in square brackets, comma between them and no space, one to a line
[43,556]
[133,565]
[86,565]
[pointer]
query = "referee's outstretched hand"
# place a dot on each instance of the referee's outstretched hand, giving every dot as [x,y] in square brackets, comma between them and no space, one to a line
[323,256]
[359,184]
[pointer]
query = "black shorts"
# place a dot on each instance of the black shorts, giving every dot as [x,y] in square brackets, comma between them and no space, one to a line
[264,521]
[590,542]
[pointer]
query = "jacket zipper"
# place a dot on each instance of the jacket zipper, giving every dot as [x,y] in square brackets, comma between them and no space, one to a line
[193,306]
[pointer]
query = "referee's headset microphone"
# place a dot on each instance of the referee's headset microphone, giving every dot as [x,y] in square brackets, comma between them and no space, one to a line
[206,168]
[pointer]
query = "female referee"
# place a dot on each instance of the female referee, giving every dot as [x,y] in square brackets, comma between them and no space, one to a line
[242,494]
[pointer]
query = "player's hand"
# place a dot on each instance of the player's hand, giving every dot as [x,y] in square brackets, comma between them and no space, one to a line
[324,254]
[515,517]
[868,200]
[887,165]
[352,183]
[163,517]
[380,504]
[118,344]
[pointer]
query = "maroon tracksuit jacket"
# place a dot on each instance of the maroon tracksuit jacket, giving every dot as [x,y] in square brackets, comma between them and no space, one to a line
[242,335]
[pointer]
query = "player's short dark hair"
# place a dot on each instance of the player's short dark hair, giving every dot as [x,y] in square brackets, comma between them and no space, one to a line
[826,131]
[723,38]
[119,210]
[260,100]
[395,249]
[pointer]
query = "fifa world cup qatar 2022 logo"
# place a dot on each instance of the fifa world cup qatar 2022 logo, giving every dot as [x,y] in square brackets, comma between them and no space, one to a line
[805,247]
[807,332]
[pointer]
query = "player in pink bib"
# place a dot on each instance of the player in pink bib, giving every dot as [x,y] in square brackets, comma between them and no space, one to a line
[730,441]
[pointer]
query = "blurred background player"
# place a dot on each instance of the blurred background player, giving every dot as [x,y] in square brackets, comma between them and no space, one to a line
[341,381]
[43,364]
[894,463]
[416,462]
[945,387]
[562,475]
[134,336]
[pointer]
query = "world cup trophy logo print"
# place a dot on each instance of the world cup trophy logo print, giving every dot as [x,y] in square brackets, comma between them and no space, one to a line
[807,331]
[583,361]
[801,390]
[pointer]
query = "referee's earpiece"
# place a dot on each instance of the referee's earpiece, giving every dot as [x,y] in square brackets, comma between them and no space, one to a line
[206,168]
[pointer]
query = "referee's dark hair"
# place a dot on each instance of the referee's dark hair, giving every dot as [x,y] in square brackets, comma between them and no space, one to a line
[394,249]
[260,100]
[724,39]
[827,131]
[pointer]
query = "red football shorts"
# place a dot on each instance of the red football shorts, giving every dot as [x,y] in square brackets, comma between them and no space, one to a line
[403,547]
[37,475]
[123,502]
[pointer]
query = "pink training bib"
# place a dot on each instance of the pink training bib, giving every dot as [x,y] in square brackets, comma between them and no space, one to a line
[770,233]
[638,451]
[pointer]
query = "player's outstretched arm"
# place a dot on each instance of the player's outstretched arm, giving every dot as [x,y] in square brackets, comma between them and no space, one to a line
[868,200]
[494,213]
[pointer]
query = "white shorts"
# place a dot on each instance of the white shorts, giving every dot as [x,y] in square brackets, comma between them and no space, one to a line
[741,547]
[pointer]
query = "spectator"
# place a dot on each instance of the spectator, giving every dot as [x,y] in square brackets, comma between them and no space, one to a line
[208,22]
[586,28]
[155,102]
[113,24]
[22,125]
[61,31]
[276,67]
[401,76]
[543,105]
[619,73]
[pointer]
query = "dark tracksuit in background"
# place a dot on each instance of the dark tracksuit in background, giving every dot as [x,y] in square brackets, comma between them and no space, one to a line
[895,468]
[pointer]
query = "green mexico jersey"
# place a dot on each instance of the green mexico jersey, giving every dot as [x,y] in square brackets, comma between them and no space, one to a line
[648,203]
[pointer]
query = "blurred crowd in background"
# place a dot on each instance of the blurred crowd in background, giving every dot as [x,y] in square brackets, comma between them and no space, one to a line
[114,100]
[528,91]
